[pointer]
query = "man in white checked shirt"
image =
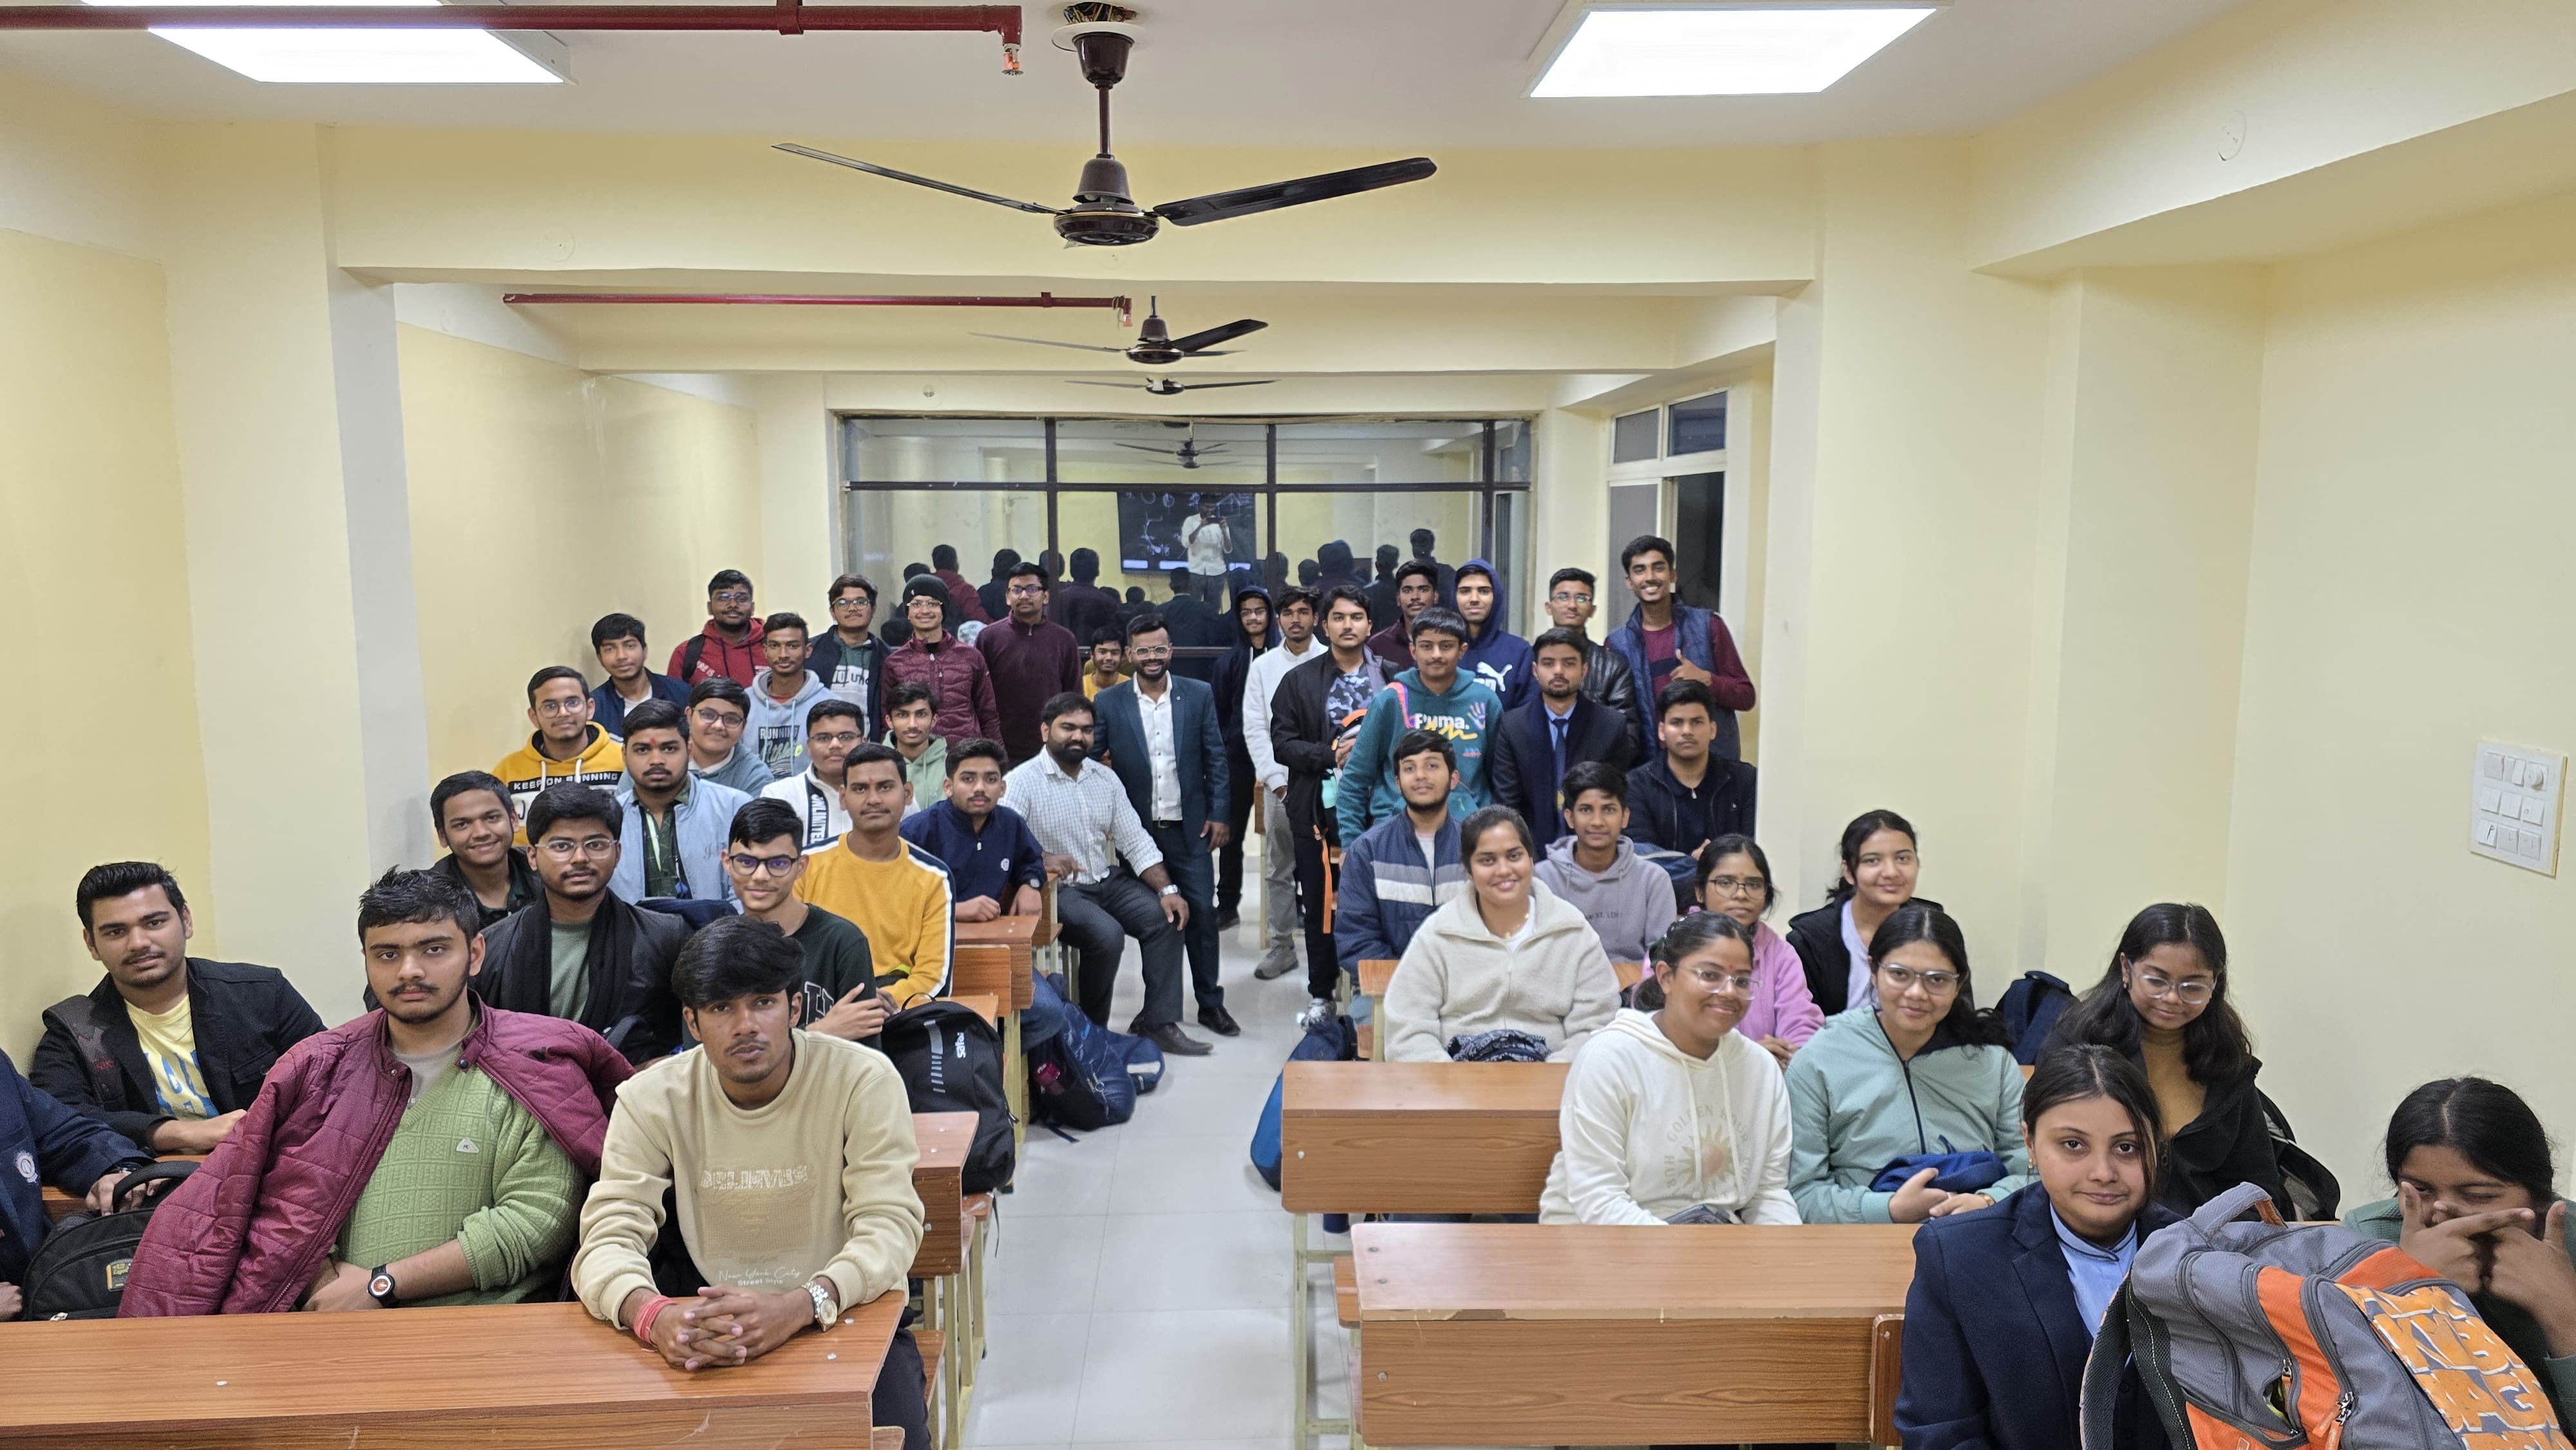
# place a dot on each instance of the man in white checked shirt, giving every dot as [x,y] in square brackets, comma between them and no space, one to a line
[1079,811]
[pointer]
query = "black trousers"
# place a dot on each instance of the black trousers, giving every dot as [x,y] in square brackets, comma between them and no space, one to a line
[901,1400]
[1323,969]
[1095,920]
[1239,786]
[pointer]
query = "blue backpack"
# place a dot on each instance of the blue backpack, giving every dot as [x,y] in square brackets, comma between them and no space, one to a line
[1334,1041]
[2029,1010]
[1079,1077]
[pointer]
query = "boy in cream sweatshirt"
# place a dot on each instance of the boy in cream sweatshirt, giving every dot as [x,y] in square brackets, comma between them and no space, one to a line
[790,1157]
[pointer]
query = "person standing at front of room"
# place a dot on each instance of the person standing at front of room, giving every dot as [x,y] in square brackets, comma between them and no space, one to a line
[1666,640]
[1206,542]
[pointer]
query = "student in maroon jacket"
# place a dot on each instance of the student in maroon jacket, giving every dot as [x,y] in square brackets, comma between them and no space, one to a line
[1032,659]
[960,686]
[729,645]
[1417,588]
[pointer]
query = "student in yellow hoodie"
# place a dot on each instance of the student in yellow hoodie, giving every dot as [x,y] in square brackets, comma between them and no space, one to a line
[567,748]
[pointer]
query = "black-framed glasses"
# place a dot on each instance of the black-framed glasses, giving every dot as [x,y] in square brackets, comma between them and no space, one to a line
[1738,885]
[751,865]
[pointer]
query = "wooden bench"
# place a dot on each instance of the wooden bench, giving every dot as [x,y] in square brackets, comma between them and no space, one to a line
[1374,974]
[506,1377]
[1521,1334]
[1404,1137]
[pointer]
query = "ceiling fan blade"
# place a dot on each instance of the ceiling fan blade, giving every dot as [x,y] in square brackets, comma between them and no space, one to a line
[1095,383]
[1214,335]
[1150,448]
[1049,342]
[1247,383]
[1219,206]
[891,174]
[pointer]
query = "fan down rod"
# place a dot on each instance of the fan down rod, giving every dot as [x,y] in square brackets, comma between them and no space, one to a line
[785,18]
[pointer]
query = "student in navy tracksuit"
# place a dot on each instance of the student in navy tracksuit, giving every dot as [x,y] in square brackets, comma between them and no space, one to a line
[2006,1299]
[42,1142]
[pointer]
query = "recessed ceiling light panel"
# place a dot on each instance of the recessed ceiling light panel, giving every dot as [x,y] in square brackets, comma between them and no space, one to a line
[1717,50]
[439,56]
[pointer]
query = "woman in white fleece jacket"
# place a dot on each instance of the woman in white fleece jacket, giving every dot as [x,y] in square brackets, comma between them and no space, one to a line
[1673,1110]
[1507,954]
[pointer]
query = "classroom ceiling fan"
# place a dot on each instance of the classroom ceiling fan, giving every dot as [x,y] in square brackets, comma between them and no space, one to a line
[1174,387]
[1104,213]
[1191,449]
[1154,342]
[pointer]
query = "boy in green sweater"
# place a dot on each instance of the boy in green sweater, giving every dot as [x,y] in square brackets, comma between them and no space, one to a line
[471,1202]
[788,1157]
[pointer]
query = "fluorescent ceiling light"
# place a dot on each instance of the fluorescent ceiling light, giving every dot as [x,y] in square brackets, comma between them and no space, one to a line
[358,57]
[1720,51]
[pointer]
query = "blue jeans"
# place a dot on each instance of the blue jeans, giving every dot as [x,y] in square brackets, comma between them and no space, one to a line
[1193,869]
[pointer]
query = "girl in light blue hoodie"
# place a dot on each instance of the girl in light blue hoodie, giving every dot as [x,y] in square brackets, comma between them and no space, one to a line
[1922,1072]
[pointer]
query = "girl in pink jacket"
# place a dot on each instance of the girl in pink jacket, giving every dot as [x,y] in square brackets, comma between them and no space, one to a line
[1735,878]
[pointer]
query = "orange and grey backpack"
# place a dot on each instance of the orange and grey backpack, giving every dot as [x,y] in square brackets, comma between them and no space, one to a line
[2251,1335]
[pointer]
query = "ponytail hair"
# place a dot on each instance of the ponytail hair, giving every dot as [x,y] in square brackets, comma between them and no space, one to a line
[1915,922]
[2073,1073]
[1857,834]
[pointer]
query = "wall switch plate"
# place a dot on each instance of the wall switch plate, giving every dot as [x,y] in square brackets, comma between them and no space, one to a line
[2514,801]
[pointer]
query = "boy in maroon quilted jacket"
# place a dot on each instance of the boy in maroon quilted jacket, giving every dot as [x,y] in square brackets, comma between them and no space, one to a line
[960,684]
[434,1151]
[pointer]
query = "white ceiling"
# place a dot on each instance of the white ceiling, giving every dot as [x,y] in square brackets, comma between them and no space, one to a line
[1405,75]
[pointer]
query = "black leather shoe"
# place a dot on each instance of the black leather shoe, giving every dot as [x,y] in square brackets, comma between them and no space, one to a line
[1174,1042]
[1228,920]
[1219,1021]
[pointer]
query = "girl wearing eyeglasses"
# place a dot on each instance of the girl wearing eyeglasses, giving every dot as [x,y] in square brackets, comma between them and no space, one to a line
[2163,1005]
[1674,1116]
[1735,881]
[1920,1073]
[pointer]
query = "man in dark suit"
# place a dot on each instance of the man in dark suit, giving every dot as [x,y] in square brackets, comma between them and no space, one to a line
[1159,732]
[1557,730]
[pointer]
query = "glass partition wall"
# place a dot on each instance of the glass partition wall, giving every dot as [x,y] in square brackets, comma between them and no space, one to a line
[1160,510]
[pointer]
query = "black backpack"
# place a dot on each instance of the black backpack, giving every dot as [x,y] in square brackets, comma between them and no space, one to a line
[951,1061]
[79,1270]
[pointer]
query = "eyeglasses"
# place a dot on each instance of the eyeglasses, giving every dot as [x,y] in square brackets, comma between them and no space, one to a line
[1936,983]
[1739,983]
[1025,591]
[851,601]
[2159,985]
[731,596]
[1564,598]
[843,738]
[1738,885]
[553,709]
[594,846]
[719,720]
[750,865]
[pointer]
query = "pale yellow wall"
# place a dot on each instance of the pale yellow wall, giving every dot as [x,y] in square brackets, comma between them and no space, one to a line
[93,564]
[543,497]
[2410,593]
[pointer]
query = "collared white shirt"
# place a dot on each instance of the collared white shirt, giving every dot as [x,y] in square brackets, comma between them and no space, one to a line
[1160,754]
[1860,991]
[1205,540]
[1086,817]
[1259,685]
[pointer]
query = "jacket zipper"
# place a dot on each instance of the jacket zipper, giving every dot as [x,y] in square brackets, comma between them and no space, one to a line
[378,1136]
[1906,1070]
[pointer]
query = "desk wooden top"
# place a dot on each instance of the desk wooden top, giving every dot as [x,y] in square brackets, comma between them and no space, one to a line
[246,1377]
[1472,1088]
[1434,1271]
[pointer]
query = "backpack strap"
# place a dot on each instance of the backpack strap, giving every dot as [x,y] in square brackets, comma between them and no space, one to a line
[2129,1334]
[690,653]
[2232,1205]
[80,1017]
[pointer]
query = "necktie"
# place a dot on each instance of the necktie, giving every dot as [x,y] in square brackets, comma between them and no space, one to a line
[1558,724]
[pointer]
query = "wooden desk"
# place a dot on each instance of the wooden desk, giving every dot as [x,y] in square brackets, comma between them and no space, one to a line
[1528,1334]
[1018,936]
[939,1178]
[1417,1137]
[509,1377]
[1000,957]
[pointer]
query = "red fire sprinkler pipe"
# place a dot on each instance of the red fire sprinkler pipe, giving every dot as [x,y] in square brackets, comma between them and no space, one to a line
[787,17]
[1121,305]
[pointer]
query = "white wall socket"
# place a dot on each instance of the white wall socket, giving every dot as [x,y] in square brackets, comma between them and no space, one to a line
[2514,802]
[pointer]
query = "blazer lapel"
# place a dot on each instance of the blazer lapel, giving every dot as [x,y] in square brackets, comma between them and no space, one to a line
[2041,1267]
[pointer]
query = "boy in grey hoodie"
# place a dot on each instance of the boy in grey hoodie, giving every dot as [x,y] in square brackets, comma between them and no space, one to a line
[1628,900]
[776,728]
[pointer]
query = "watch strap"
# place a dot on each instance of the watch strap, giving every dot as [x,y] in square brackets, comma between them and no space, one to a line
[388,1294]
[827,1308]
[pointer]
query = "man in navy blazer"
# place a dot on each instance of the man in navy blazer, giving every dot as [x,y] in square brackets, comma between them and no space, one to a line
[1994,1305]
[1525,763]
[1158,731]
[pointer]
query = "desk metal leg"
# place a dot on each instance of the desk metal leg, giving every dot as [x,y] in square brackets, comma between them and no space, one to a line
[1301,1329]
[1015,1083]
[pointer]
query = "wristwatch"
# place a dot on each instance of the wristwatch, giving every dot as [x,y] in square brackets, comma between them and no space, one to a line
[380,1287]
[1167,890]
[825,1310]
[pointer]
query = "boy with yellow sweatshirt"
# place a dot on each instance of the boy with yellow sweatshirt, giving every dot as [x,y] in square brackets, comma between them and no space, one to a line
[567,748]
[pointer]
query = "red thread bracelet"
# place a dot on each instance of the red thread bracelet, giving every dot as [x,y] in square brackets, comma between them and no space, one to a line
[644,1317]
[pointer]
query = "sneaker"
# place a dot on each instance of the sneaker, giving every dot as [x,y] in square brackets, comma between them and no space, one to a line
[1317,1013]
[1275,966]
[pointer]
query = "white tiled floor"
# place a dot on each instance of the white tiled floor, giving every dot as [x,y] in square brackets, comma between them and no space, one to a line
[1138,1290]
